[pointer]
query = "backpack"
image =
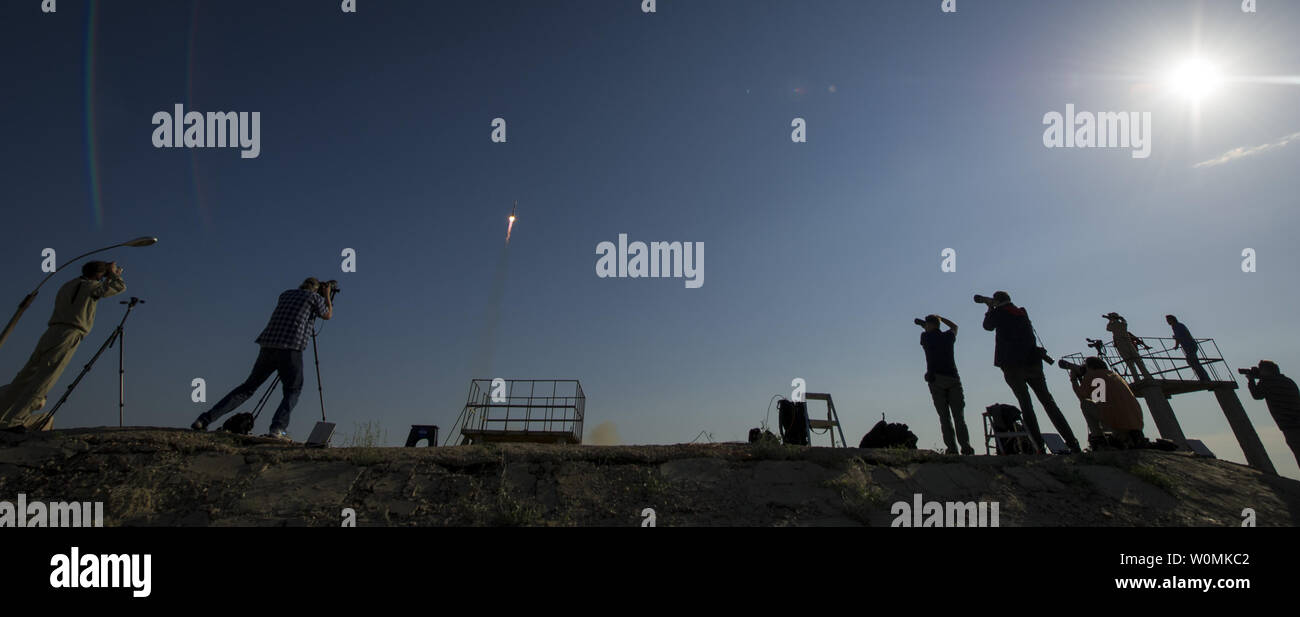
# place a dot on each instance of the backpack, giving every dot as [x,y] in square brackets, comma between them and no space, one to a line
[793,420]
[239,424]
[242,423]
[889,435]
[1006,418]
[757,434]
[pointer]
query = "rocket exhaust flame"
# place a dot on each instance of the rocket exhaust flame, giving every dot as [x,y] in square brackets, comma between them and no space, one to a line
[511,225]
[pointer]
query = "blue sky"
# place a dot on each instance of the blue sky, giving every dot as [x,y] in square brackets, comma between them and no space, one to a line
[673,126]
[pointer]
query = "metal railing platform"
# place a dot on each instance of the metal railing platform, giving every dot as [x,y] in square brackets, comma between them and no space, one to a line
[1165,366]
[523,411]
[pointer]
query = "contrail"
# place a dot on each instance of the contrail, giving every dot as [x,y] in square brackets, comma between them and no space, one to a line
[492,317]
[1281,80]
[1243,152]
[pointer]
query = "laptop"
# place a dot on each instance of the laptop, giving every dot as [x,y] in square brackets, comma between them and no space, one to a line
[1055,444]
[320,435]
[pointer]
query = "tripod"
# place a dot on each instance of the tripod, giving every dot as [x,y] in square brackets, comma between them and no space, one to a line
[119,333]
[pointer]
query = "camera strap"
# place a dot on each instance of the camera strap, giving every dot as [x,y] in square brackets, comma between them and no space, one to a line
[1037,340]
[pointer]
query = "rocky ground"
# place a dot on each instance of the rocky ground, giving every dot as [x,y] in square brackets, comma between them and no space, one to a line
[169,477]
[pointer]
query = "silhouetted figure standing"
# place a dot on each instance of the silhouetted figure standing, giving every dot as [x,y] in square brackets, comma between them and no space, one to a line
[1021,362]
[1283,399]
[1183,339]
[945,384]
[1126,346]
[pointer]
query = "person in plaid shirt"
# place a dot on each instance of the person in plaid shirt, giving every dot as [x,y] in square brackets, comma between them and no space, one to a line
[282,342]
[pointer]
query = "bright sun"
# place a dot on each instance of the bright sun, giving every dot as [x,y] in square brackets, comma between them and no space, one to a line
[1195,79]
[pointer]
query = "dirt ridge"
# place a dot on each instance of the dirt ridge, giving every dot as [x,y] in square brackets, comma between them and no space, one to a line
[171,477]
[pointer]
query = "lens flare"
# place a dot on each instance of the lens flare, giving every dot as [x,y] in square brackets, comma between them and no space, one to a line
[1195,79]
[92,149]
[204,215]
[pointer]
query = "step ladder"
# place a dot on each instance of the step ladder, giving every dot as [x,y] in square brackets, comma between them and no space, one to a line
[996,441]
[832,422]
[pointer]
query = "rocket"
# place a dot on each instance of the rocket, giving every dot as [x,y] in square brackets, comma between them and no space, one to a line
[511,225]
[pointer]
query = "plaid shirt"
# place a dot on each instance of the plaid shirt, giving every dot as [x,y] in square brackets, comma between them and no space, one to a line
[291,322]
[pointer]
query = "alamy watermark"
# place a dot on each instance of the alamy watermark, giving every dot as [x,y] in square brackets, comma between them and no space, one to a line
[73,570]
[216,129]
[656,260]
[55,514]
[920,513]
[1108,129]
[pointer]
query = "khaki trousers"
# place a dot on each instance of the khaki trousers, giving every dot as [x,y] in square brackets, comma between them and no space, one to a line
[26,393]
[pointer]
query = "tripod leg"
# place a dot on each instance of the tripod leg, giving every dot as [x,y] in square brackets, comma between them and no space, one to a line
[117,333]
[320,389]
[72,386]
[266,396]
[121,377]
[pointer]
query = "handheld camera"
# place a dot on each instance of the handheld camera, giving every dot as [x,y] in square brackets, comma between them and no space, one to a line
[1076,370]
[329,289]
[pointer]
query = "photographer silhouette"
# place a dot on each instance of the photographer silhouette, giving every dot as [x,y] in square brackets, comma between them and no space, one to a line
[1282,397]
[71,321]
[1126,345]
[282,342]
[1021,359]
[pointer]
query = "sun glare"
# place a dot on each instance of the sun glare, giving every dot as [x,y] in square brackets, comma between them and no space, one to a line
[1195,79]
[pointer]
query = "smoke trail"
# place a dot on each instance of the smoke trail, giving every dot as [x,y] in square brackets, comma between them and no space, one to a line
[481,359]
[483,363]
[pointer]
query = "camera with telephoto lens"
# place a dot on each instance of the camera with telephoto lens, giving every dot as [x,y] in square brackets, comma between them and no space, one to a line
[328,289]
[984,300]
[1075,369]
[919,322]
[1250,372]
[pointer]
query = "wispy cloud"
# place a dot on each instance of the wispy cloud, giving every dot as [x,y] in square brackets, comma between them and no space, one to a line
[1238,153]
